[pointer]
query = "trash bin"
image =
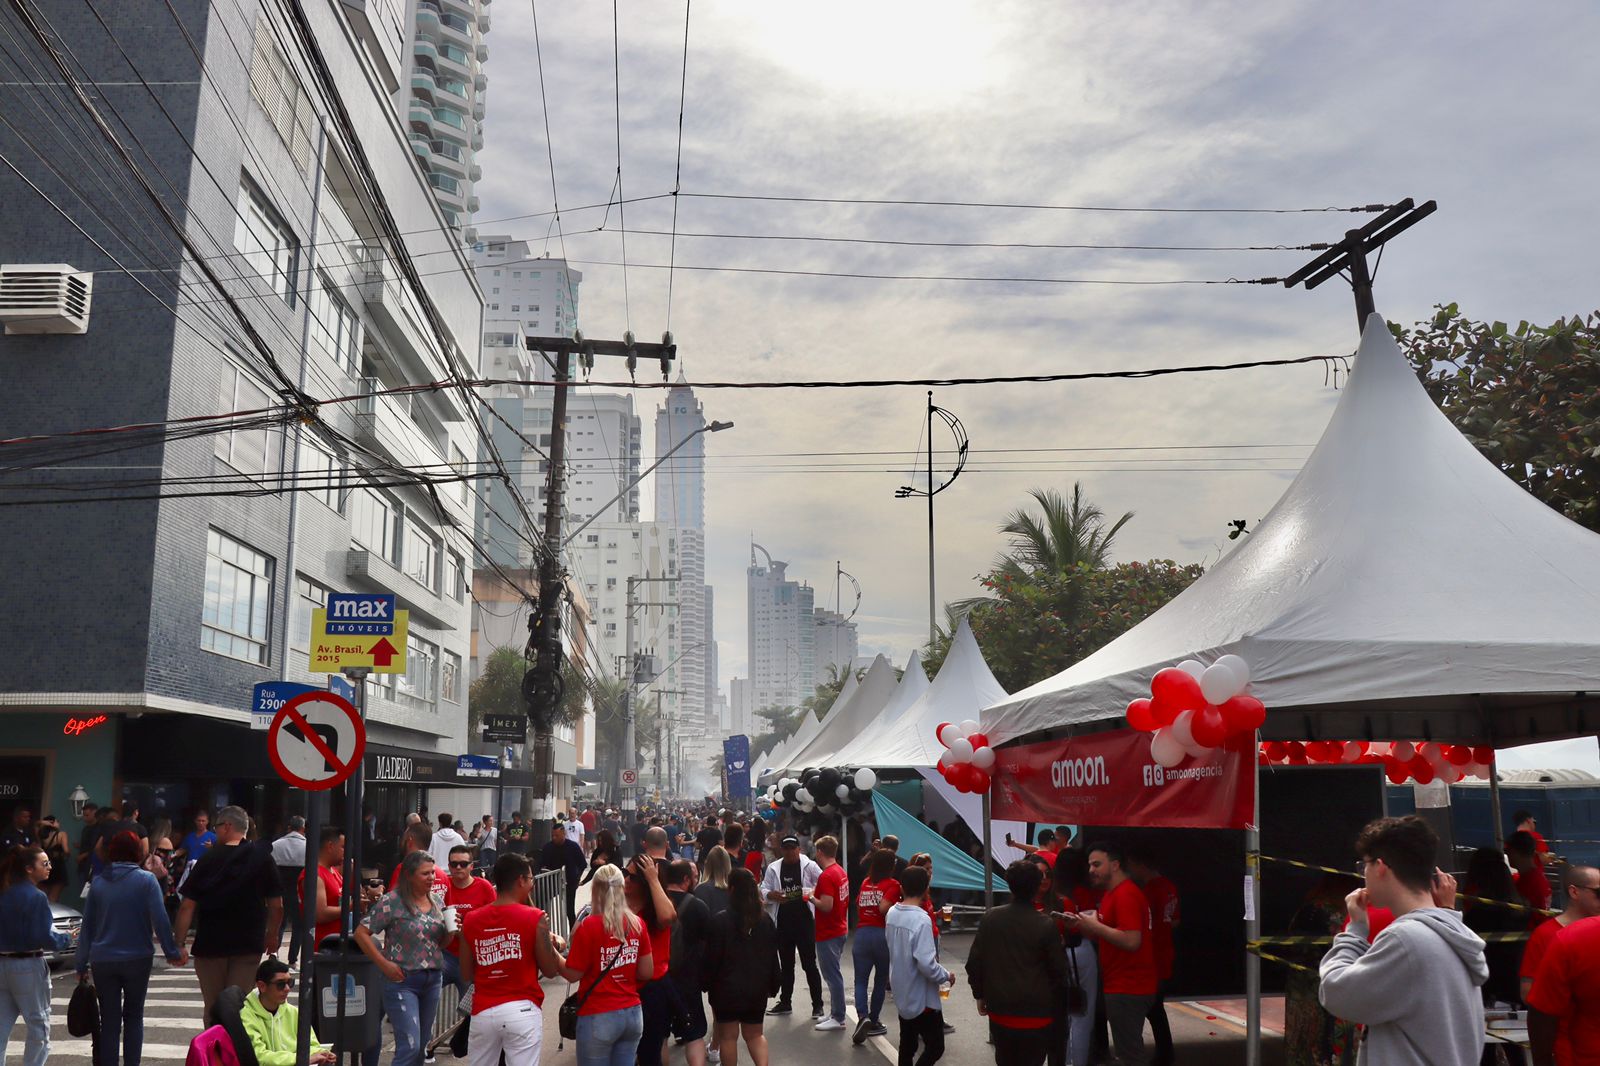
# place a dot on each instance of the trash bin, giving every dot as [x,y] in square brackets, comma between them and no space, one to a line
[339,961]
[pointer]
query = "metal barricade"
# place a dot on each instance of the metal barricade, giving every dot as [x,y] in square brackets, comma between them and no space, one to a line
[550,896]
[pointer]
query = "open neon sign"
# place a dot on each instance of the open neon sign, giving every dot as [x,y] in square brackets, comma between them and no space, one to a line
[78,726]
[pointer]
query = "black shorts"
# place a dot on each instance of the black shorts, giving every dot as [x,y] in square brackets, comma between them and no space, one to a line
[690,1021]
[756,1015]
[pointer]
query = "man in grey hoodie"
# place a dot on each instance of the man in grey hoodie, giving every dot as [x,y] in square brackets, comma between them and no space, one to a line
[1416,986]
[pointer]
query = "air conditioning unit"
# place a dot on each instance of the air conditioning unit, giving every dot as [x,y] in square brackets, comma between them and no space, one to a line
[44,298]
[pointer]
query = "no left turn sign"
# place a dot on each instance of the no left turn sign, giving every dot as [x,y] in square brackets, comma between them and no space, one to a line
[316,740]
[630,777]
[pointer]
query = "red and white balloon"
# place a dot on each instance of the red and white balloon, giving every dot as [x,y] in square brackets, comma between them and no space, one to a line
[1401,760]
[1194,708]
[967,758]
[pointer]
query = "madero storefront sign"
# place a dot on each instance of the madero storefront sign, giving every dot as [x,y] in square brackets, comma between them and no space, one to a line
[1110,779]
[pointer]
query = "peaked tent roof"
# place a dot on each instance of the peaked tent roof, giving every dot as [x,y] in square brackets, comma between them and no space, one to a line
[1403,587]
[913,683]
[846,719]
[963,688]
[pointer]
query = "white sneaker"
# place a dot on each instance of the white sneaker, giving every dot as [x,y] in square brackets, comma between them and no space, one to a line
[829,1025]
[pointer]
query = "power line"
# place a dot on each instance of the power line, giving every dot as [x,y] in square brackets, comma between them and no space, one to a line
[863,276]
[677,171]
[1017,245]
[884,201]
[622,218]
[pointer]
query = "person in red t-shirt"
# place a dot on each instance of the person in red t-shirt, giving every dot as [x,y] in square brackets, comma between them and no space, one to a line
[1524,822]
[1051,841]
[464,892]
[417,838]
[1127,949]
[648,899]
[831,898]
[1582,885]
[330,882]
[610,1020]
[870,952]
[1532,884]
[1162,895]
[1564,1024]
[507,947]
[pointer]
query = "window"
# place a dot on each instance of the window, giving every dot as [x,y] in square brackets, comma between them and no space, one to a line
[450,677]
[494,291]
[458,463]
[372,522]
[494,307]
[274,86]
[416,685]
[320,468]
[517,308]
[249,451]
[456,578]
[421,558]
[236,616]
[308,596]
[266,244]
[514,273]
[334,327]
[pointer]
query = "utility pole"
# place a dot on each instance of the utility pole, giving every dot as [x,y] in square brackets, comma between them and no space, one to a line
[907,491]
[634,669]
[1349,256]
[541,685]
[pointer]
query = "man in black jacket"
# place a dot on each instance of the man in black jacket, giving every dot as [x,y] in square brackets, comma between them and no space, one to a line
[1018,972]
[560,853]
[689,935]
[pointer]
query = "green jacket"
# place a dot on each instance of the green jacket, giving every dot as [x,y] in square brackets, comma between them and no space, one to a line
[273,1035]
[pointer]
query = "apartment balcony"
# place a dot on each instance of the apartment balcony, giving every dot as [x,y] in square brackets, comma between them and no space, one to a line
[422,84]
[451,125]
[373,570]
[451,92]
[445,183]
[425,50]
[422,148]
[474,173]
[480,81]
[453,152]
[401,323]
[455,60]
[483,51]
[428,18]
[449,165]
[483,22]
[421,118]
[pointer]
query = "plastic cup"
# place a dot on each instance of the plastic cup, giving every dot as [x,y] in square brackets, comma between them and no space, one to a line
[944,990]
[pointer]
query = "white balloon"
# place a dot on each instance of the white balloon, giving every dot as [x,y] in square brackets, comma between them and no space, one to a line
[1182,729]
[1380,747]
[843,792]
[1219,684]
[1352,752]
[1404,750]
[1450,773]
[1165,749]
[1193,667]
[1240,668]
[802,795]
[960,752]
[1481,772]
[983,758]
[968,727]
[866,779]
[805,808]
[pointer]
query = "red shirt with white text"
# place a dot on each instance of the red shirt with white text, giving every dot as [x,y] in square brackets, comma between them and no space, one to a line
[501,940]
[592,947]
[874,900]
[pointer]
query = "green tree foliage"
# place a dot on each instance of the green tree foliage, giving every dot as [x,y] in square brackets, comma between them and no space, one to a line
[1528,398]
[1063,536]
[498,690]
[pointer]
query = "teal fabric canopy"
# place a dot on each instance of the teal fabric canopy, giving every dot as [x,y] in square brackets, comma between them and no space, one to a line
[952,867]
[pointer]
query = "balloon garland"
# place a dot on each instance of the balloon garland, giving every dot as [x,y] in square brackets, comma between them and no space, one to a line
[967,758]
[820,794]
[1194,708]
[1401,760]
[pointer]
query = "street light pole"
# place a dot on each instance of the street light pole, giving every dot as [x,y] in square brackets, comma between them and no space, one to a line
[907,491]
[713,427]
[933,609]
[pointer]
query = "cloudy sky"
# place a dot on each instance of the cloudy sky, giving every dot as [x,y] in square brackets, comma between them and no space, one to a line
[1489,110]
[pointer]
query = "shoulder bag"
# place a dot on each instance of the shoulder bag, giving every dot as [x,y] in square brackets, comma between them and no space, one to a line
[567,1017]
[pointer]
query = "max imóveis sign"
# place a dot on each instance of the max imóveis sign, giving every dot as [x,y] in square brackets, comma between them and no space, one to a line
[1109,779]
[359,630]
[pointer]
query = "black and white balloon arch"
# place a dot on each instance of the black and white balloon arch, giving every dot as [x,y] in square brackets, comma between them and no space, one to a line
[820,794]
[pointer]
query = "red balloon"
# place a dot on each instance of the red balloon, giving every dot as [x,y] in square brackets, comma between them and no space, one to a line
[1140,716]
[979,780]
[1421,769]
[1397,772]
[1208,727]
[1317,751]
[1244,714]
[1371,760]
[938,733]
[1172,692]
[1483,754]
[1276,750]
[1458,754]
[1263,760]
[1297,751]
[978,740]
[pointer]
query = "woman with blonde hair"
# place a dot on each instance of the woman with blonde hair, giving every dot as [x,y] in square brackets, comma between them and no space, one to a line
[713,891]
[609,957]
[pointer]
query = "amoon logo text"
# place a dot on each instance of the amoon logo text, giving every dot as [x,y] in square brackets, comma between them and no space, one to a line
[1087,772]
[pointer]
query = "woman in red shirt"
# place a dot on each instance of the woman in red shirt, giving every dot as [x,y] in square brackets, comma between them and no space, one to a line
[610,1021]
[870,951]
[658,997]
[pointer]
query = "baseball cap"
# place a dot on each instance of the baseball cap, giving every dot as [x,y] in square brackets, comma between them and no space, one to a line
[791,841]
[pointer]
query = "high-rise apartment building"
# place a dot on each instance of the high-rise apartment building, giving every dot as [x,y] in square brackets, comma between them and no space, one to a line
[442,93]
[782,634]
[539,293]
[169,576]
[837,644]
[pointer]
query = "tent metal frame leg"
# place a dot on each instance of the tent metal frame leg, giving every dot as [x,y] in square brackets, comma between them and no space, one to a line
[1252,925]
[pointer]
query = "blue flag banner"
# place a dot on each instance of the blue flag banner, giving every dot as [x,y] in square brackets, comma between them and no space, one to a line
[952,867]
[736,761]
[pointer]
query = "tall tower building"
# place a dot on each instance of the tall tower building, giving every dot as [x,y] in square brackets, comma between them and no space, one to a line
[782,634]
[837,644]
[680,502]
[442,89]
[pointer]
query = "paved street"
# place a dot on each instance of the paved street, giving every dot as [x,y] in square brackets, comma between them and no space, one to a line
[1205,1033]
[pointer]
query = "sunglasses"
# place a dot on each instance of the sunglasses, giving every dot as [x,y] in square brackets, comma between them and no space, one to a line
[455,865]
[283,983]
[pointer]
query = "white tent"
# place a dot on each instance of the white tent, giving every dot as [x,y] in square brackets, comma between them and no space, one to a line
[1403,587]
[774,759]
[848,717]
[913,683]
[964,686]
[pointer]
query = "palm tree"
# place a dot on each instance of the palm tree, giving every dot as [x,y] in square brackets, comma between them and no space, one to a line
[1067,536]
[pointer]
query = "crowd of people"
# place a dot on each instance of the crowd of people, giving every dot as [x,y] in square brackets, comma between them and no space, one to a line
[691,910]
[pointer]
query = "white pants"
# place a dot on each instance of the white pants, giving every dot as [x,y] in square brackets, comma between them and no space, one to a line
[515,1028]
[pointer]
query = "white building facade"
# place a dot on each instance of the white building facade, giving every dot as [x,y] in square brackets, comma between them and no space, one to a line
[441,95]
[782,634]
[837,644]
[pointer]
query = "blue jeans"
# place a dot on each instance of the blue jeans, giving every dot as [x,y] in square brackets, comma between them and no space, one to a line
[25,993]
[120,988]
[870,954]
[411,1004]
[610,1038]
[452,973]
[829,955]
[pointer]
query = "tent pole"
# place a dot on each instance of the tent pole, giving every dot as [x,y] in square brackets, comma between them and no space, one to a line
[1252,922]
[1494,803]
[988,859]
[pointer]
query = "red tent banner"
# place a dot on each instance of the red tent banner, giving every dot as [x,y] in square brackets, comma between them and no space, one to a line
[1110,779]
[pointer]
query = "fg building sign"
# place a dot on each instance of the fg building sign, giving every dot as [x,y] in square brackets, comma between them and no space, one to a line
[359,631]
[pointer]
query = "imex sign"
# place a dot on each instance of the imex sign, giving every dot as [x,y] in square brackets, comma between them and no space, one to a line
[358,630]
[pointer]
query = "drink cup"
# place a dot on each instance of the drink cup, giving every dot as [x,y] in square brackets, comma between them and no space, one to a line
[452,923]
[944,990]
[949,912]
